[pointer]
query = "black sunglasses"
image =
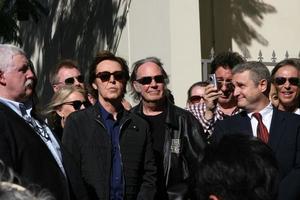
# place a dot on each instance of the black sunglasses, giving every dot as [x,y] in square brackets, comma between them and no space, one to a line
[77,104]
[292,80]
[71,80]
[105,76]
[148,79]
[195,99]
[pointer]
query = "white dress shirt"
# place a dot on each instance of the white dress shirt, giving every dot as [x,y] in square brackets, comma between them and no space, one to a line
[266,114]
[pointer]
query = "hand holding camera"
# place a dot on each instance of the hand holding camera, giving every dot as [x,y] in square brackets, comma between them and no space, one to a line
[211,96]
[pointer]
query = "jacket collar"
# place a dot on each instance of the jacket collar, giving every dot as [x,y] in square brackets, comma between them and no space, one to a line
[97,114]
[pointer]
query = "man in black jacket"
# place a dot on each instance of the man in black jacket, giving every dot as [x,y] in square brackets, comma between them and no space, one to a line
[112,145]
[176,134]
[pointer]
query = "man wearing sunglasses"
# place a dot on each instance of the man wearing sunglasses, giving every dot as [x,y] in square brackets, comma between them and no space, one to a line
[285,77]
[280,130]
[219,101]
[112,145]
[66,73]
[176,133]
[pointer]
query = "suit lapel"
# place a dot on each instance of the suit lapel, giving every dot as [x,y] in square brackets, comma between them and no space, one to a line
[277,128]
[245,124]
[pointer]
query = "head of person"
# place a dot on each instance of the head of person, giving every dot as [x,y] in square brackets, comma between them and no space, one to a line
[273,95]
[286,78]
[222,66]
[92,94]
[108,74]
[17,79]
[65,101]
[149,80]
[239,167]
[196,93]
[66,73]
[251,85]
[11,188]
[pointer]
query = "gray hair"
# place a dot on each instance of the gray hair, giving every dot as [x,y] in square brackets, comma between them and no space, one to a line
[135,68]
[258,71]
[14,191]
[7,52]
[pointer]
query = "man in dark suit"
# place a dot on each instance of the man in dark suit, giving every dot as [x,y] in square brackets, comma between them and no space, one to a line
[112,146]
[252,84]
[27,145]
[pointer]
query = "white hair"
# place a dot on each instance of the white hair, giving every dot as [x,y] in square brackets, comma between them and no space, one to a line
[14,191]
[7,52]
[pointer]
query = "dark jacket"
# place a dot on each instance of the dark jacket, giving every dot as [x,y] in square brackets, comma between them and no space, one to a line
[183,149]
[23,150]
[87,139]
[284,140]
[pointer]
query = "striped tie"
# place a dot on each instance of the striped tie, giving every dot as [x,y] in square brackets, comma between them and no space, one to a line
[262,131]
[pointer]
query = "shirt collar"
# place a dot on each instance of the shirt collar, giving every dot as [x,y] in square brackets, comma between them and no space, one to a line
[106,115]
[15,106]
[268,109]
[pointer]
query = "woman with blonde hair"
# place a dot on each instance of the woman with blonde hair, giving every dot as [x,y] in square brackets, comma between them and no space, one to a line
[65,101]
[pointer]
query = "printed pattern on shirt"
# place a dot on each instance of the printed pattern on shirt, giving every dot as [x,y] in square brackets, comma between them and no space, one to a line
[198,110]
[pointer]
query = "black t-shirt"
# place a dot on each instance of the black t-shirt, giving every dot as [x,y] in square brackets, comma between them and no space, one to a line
[157,128]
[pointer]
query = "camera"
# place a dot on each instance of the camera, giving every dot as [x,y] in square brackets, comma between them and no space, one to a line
[212,80]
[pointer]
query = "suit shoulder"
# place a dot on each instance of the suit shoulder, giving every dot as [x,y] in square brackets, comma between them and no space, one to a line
[289,115]
[232,119]
[81,114]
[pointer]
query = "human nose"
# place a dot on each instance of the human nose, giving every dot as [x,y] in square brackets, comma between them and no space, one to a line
[236,92]
[76,82]
[112,78]
[287,83]
[153,82]
[30,74]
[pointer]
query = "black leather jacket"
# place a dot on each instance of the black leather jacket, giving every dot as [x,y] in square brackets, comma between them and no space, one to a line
[183,150]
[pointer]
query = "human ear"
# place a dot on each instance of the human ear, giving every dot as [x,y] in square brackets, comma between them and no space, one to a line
[263,85]
[2,78]
[60,112]
[94,86]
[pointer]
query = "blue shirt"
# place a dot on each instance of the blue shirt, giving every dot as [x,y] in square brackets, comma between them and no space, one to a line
[113,130]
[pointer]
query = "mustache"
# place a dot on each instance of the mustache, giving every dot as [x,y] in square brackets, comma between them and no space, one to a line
[30,83]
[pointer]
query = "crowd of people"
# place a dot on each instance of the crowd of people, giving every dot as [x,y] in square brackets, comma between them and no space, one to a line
[238,139]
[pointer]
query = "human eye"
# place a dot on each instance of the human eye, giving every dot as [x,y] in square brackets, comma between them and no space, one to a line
[23,69]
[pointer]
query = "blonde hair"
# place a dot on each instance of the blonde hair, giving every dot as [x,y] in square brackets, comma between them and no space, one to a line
[60,96]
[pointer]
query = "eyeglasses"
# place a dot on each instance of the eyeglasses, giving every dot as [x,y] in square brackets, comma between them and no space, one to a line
[195,99]
[292,80]
[148,79]
[227,83]
[105,76]
[77,104]
[71,80]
